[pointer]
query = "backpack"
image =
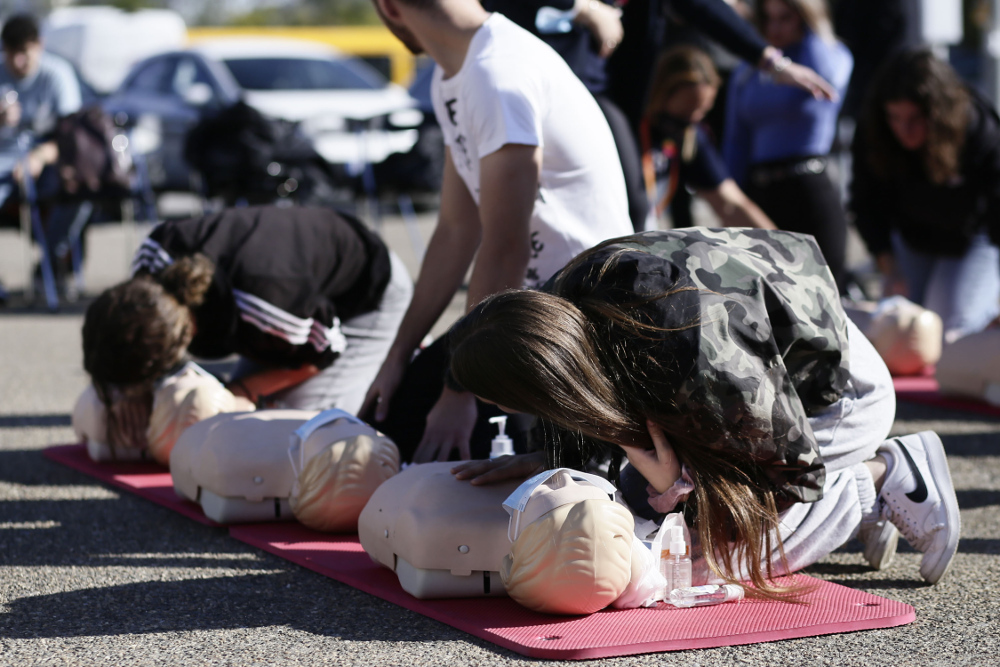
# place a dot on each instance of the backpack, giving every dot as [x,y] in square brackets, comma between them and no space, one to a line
[88,165]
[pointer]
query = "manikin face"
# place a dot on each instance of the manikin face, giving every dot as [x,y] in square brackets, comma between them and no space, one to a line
[22,63]
[782,24]
[908,124]
[690,103]
[400,30]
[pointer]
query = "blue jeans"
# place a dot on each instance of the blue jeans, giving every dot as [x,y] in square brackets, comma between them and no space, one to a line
[964,291]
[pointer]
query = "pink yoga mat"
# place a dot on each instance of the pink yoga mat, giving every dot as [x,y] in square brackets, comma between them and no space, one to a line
[144,478]
[925,390]
[832,608]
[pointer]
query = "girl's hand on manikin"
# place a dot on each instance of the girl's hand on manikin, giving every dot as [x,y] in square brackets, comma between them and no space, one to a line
[659,465]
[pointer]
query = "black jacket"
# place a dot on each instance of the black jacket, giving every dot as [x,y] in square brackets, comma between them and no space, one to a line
[931,218]
[284,280]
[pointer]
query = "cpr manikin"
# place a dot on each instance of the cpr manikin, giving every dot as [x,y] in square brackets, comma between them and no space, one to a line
[244,467]
[180,400]
[557,543]
[906,336]
[971,367]
[184,399]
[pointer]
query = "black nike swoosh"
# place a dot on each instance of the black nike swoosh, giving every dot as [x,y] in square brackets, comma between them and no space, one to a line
[919,494]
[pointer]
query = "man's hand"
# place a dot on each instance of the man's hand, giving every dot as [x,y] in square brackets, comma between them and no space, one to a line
[383,388]
[10,114]
[491,471]
[604,23]
[449,427]
[803,77]
[659,466]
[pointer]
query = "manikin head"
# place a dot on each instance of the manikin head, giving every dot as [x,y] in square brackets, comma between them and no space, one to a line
[138,332]
[22,45]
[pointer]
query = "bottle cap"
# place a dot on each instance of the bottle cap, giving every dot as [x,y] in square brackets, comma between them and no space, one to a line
[733,592]
[678,547]
[501,445]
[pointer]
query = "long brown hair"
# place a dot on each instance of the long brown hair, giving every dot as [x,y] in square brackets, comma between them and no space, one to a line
[587,364]
[136,332]
[931,84]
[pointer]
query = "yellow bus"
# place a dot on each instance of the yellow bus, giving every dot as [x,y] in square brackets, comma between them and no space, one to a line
[374,44]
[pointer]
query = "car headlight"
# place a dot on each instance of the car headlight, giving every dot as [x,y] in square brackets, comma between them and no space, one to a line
[321,124]
[405,118]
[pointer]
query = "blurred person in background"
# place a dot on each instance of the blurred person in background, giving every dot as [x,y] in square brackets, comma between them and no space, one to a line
[677,153]
[36,89]
[585,33]
[777,139]
[926,190]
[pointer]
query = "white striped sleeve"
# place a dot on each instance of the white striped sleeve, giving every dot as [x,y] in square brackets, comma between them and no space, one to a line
[150,257]
[282,324]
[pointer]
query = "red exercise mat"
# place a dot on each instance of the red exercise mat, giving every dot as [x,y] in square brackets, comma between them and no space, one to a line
[924,389]
[144,478]
[832,608]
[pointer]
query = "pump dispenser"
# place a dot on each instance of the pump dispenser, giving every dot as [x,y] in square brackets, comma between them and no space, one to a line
[502,445]
[675,563]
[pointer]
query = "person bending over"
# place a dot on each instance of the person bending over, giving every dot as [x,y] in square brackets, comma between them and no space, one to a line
[308,298]
[720,363]
[924,193]
[531,178]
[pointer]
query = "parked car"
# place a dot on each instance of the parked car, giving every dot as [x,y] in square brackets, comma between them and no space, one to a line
[352,115]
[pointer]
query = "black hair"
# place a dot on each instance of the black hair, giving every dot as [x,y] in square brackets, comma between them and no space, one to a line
[19,31]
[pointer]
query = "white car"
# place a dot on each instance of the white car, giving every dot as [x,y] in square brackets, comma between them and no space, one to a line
[350,112]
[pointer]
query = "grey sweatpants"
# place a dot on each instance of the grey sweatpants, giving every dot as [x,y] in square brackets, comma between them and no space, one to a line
[849,432]
[344,384]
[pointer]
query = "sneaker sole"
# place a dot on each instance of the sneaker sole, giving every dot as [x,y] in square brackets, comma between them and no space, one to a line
[933,571]
[883,551]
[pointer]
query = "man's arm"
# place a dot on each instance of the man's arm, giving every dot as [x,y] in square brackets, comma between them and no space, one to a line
[508,186]
[734,208]
[449,254]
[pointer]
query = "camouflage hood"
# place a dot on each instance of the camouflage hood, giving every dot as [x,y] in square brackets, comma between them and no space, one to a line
[745,339]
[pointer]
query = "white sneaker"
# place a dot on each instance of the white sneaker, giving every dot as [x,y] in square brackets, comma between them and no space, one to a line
[880,539]
[919,499]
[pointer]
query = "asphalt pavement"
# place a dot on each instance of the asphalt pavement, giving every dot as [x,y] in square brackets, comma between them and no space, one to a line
[94,576]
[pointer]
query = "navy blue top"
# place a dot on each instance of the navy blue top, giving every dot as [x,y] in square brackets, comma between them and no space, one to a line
[576,47]
[766,121]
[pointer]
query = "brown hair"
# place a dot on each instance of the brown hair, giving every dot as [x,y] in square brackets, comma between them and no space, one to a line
[931,84]
[137,331]
[815,14]
[588,365]
[679,67]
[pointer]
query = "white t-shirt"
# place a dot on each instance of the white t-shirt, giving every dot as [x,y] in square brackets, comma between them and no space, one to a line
[514,89]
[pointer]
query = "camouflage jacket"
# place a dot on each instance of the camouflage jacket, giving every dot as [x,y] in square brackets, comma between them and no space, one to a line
[749,341]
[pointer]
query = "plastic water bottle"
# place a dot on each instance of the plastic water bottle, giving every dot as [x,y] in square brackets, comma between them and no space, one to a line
[701,596]
[675,563]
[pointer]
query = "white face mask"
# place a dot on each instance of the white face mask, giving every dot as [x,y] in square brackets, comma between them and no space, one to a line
[516,503]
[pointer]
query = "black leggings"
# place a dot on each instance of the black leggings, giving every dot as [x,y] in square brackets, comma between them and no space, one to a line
[419,391]
[809,204]
[628,154]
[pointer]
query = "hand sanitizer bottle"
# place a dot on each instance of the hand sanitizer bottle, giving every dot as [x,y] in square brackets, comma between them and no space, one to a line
[501,445]
[675,563]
